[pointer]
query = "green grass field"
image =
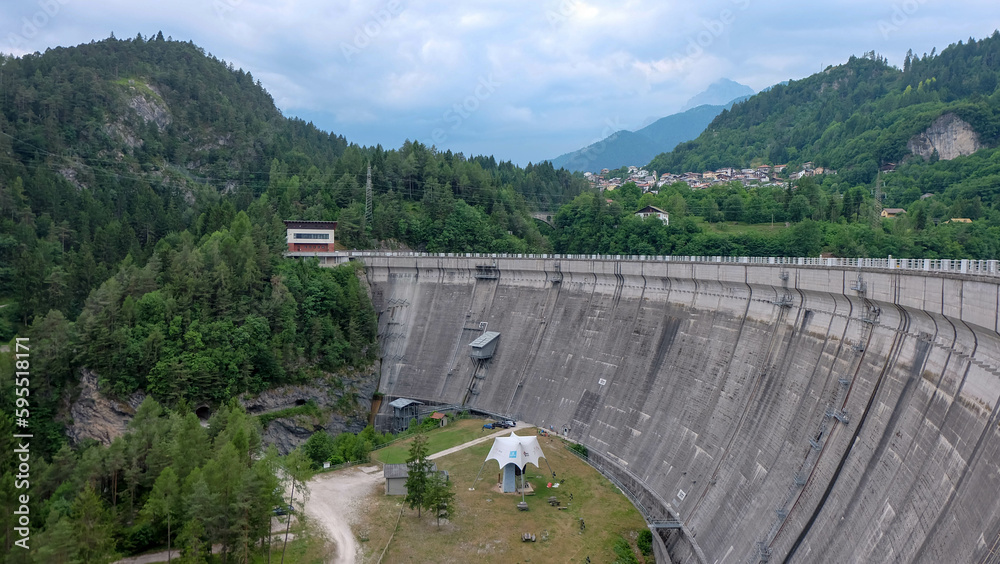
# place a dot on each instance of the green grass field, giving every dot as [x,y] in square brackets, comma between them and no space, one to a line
[487,526]
[454,434]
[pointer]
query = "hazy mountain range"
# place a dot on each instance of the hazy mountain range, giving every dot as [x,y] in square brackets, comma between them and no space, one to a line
[639,147]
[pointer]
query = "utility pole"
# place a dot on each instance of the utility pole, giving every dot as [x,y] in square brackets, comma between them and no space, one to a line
[879,196]
[368,200]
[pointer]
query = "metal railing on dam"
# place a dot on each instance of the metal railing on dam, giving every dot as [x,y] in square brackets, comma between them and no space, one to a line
[955,266]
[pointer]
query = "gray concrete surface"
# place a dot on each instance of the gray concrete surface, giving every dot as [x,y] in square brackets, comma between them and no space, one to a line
[845,426]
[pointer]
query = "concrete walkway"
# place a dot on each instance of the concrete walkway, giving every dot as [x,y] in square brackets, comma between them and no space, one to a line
[502,433]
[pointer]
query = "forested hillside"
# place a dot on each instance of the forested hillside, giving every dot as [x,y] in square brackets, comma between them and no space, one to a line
[143,184]
[853,117]
[122,159]
[857,121]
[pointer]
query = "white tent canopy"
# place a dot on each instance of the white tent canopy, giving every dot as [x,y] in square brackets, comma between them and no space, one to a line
[516,449]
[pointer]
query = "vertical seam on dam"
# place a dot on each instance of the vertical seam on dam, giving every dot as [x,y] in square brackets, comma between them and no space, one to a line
[890,361]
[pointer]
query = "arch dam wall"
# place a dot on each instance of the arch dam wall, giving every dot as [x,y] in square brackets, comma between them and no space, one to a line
[779,412]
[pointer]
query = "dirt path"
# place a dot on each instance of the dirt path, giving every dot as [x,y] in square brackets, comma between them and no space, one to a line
[334,498]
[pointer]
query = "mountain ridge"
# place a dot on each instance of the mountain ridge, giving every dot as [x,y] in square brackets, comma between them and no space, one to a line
[626,147]
[719,93]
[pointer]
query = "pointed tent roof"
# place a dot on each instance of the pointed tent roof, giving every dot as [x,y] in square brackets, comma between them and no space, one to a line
[517,449]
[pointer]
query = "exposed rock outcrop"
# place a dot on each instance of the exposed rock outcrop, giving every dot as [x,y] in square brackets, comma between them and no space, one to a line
[344,403]
[288,433]
[949,135]
[96,416]
[148,105]
[150,108]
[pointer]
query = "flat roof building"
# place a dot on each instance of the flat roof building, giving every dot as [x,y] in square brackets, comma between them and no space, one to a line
[310,236]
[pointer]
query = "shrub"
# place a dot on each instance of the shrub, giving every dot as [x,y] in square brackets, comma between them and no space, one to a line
[645,542]
[623,551]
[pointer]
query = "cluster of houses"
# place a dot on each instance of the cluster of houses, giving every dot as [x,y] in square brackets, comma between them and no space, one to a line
[764,175]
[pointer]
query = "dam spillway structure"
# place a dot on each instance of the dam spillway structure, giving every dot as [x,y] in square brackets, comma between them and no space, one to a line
[754,409]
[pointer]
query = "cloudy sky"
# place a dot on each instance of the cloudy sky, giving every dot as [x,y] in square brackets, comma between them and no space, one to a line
[524,80]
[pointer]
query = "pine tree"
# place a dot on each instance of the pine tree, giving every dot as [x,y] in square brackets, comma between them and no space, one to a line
[92,525]
[440,497]
[162,500]
[418,480]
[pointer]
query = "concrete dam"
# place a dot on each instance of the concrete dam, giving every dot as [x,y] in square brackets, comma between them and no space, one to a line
[820,410]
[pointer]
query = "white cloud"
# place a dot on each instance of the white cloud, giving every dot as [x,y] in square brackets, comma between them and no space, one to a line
[381,71]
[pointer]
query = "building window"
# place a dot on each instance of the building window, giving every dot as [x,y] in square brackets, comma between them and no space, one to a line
[312,235]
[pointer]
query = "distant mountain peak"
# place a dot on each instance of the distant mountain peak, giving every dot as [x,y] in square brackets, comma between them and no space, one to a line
[719,92]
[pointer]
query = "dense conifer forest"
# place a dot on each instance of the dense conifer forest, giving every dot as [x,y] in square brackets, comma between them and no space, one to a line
[143,184]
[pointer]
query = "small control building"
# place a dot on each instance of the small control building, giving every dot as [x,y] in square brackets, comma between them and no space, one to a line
[310,236]
[484,346]
[395,477]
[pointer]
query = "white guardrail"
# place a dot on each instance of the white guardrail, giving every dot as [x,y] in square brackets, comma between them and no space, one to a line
[956,266]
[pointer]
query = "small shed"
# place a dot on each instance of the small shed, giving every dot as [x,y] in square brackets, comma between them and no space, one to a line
[403,410]
[485,345]
[395,478]
[441,418]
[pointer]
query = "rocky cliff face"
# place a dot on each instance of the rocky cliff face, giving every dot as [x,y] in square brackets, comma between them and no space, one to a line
[97,417]
[344,404]
[147,103]
[949,135]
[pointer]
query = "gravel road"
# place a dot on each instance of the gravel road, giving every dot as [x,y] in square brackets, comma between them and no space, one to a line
[333,502]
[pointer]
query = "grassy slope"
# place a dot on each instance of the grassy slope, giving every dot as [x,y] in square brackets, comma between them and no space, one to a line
[487,527]
[454,434]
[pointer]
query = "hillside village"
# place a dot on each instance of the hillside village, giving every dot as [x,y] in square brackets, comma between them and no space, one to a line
[764,175]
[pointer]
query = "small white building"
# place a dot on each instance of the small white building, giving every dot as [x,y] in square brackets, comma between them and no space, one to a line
[654,211]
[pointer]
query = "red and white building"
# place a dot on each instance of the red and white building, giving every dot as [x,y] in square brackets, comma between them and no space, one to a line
[310,236]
